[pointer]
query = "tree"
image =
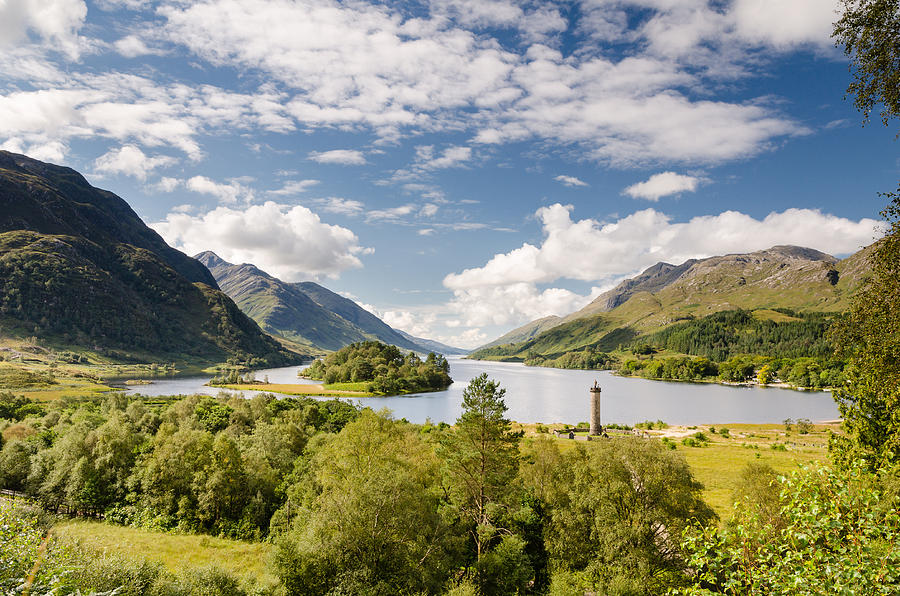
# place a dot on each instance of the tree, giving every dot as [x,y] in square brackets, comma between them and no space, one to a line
[481,462]
[835,533]
[869,336]
[869,31]
[617,511]
[370,518]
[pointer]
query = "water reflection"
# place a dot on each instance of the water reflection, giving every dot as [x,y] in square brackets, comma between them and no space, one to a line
[551,395]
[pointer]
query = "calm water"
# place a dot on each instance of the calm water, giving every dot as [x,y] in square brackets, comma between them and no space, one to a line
[551,395]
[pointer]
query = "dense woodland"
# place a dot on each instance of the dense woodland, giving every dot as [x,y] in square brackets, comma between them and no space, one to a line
[731,346]
[359,503]
[383,368]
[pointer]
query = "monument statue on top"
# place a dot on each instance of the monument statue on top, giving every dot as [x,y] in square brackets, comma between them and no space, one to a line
[596,426]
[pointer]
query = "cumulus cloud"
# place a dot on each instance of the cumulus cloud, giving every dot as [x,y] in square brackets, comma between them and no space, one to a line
[56,22]
[514,303]
[347,157]
[226,193]
[130,161]
[570,180]
[662,185]
[506,289]
[167,184]
[290,242]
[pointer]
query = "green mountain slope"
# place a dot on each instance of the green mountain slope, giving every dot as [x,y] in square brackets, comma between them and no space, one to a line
[79,268]
[304,312]
[281,308]
[526,331]
[781,277]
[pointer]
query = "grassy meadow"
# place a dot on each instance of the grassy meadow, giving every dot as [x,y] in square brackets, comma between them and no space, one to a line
[717,462]
[176,552]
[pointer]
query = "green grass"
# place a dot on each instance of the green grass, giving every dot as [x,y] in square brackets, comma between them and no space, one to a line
[719,462]
[360,386]
[298,389]
[175,551]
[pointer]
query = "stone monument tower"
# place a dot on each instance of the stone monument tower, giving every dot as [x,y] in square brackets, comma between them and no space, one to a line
[596,427]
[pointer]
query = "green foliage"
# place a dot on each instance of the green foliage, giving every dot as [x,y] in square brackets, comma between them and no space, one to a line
[36,562]
[369,517]
[586,359]
[480,458]
[869,336]
[834,532]
[615,512]
[386,370]
[730,333]
[869,31]
[212,415]
[16,408]
[650,425]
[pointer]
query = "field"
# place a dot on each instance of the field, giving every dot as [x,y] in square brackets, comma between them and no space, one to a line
[718,461]
[174,551]
[297,389]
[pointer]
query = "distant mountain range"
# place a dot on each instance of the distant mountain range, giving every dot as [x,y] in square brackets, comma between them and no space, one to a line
[307,313]
[792,277]
[79,268]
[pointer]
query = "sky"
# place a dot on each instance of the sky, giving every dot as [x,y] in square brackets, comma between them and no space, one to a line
[458,167]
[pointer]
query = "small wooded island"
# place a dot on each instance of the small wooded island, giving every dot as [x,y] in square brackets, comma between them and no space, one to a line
[381,369]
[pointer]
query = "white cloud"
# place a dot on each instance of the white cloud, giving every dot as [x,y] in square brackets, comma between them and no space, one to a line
[397,71]
[132,46]
[341,206]
[428,210]
[785,24]
[425,232]
[226,193]
[294,187]
[167,184]
[347,157]
[662,185]
[57,22]
[290,242]
[44,150]
[418,324]
[130,161]
[451,157]
[505,290]
[513,303]
[392,214]
[570,180]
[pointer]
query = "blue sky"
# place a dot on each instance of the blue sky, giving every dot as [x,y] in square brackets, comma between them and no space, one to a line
[460,167]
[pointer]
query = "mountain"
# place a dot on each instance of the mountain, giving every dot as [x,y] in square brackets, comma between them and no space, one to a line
[281,308]
[526,331]
[791,277]
[79,268]
[433,346]
[306,312]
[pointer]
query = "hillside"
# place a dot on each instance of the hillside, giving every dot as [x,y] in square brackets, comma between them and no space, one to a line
[781,277]
[80,269]
[430,345]
[305,312]
[526,331]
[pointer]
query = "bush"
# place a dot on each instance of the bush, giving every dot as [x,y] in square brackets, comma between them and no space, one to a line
[838,533]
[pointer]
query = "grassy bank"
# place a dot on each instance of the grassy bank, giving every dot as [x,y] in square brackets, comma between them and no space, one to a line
[177,552]
[296,389]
